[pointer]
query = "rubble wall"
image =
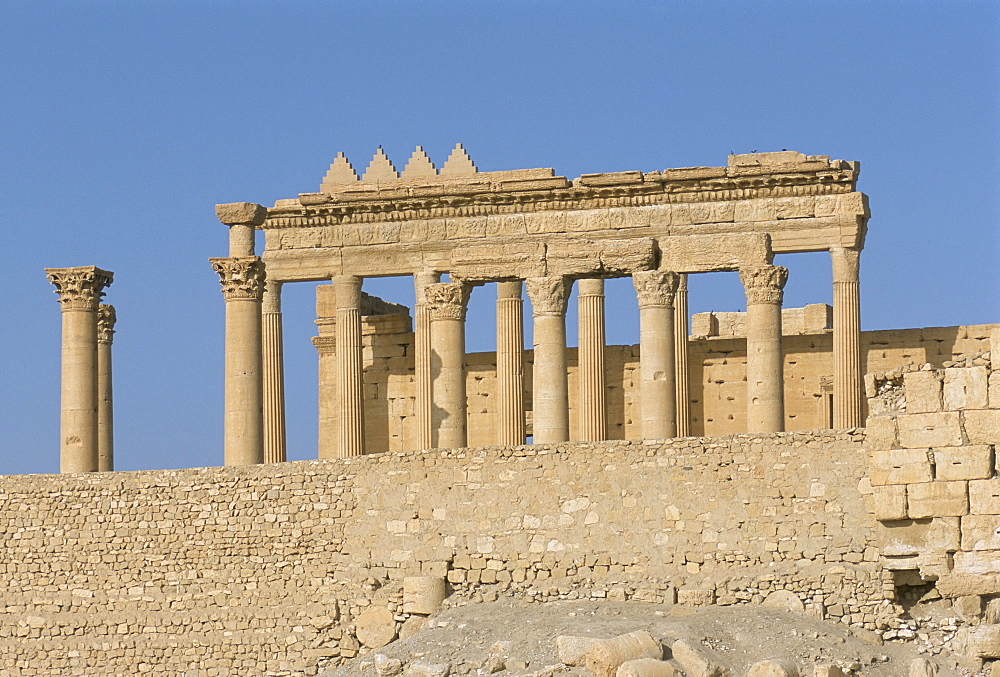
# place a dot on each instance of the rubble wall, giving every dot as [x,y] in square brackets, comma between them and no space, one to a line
[269,569]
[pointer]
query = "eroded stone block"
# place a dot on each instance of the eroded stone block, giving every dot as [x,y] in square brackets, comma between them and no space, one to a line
[899,466]
[923,391]
[963,463]
[912,537]
[984,497]
[981,532]
[889,502]
[982,425]
[930,430]
[965,388]
[880,433]
[979,562]
[937,499]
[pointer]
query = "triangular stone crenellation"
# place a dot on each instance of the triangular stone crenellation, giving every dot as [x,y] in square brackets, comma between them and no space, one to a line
[341,173]
[380,168]
[458,163]
[419,166]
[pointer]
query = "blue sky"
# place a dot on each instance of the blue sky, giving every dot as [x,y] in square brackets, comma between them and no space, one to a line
[123,123]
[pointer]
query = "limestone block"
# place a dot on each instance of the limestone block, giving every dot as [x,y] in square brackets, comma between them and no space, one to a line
[969,607]
[246,213]
[696,661]
[958,585]
[930,430]
[995,384]
[965,388]
[981,532]
[605,257]
[375,627]
[880,433]
[899,466]
[385,666]
[984,641]
[784,599]
[422,669]
[937,499]
[921,667]
[984,497]
[982,426]
[773,668]
[706,253]
[889,502]
[423,594]
[828,671]
[978,562]
[571,648]
[696,596]
[605,656]
[992,611]
[963,463]
[912,537]
[923,391]
[647,667]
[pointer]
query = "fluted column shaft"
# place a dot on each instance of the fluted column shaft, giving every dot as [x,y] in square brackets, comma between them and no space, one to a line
[510,363]
[80,290]
[682,370]
[590,357]
[351,440]
[242,279]
[655,290]
[765,373]
[423,404]
[106,318]
[847,368]
[550,390]
[447,304]
[274,374]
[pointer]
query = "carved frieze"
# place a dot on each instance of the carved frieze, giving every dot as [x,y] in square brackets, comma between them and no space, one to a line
[80,288]
[548,294]
[655,287]
[242,277]
[764,284]
[447,300]
[106,318]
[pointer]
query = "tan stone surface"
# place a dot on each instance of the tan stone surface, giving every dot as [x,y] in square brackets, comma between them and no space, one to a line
[965,388]
[937,499]
[423,594]
[982,426]
[963,463]
[913,537]
[900,466]
[930,430]
[375,627]
[981,532]
[923,391]
[889,502]
[984,497]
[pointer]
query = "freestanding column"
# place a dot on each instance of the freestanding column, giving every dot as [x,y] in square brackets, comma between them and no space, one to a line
[593,415]
[551,403]
[765,372]
[242,279]
[683,386]
[655,290]
[105,401]
[847,376]
[422,359]
[274,374]
[351,441]
[80,290]
[448,301]
[510,363]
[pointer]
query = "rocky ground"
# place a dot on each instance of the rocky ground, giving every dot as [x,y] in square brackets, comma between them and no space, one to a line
[510,638]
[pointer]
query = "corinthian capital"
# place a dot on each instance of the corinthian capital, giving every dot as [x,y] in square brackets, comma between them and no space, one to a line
[106,319]
[763,284]
[242,277]
[548,295]
[447,300]
[655,287]
[79,288]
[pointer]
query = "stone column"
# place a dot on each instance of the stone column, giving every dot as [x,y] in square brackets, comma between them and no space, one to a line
[447,303]
[242,279]
[350,367]
[243,219]
[657,374]
[274,374]
[590,358]
[80,290]
[105,401]
[683,385]
[422,359]
[848,380]
[510,363]
[551,404]
[765,371]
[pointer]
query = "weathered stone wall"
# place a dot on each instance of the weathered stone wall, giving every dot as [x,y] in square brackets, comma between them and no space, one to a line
[270,569]
[718,378]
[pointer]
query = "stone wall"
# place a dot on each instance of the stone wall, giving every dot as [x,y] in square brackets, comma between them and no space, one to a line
[717,372]
[281,569]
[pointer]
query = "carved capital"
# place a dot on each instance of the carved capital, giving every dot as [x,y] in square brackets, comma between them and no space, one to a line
[241,213]
[242,277]
[845,264]
[655,287]
[763,284]
[79,288]
[548,295]
[106,319]
[420,283]
[447,300]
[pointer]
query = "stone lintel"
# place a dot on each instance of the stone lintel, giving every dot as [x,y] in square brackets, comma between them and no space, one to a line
[241,213]
[711,253]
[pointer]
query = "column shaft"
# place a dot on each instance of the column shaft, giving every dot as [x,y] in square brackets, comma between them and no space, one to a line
[274,375]
[590,356]
[105,397]
[683,382]
[765,372]
[550,391]
[657,374]
[848,381]
[351,441]
[510,364]
[447,302]
[422,359]
[80,290]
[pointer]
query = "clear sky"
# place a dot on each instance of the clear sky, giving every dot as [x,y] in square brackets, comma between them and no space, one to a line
[123,123]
